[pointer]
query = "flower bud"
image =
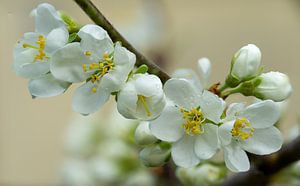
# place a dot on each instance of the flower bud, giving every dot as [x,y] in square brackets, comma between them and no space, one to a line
[205,175]
[142,97]
[274,85]
[245,65]
[155,155]
[143,135]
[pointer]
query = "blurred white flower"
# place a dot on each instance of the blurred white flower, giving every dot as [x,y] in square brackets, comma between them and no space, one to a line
[204,175]
[154,155]
[273,85]
[204,71]
[142,97]
[187,120]
[33,54]
[143,134]
[249,129]
[97,61]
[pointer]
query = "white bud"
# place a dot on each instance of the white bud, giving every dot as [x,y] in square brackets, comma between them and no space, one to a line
[245,64]
[205,175]
[142,97]
[143,135]
[154,155]
[274,85]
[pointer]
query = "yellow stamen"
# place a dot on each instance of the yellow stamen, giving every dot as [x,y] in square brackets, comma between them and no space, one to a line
[242,129]
[41,42]
[88,53]
[95,78]
[142,99]
[84,67]
[193,121]
[94,90]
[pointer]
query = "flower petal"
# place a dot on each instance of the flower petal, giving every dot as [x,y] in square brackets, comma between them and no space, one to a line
[262,114]
[67,63]
[204,67]
[212,106]
[236,158]
[183,152]
[182,92]
[233,110]
[167,126]
[147,84]
[47,19]
[190,75]
[122,56]
[56,39]
[264,141]
[206,144]
[85,101]
[95,39]
[47,86]
[224,132]
[127,100]
[24,64]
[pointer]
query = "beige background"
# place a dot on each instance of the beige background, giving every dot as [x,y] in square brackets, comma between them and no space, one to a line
[31,131]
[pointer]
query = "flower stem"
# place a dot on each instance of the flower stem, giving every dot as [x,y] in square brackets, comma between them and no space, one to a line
[91,10]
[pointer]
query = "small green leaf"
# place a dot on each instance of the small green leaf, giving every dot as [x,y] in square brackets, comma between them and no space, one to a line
[142,69]
[72,37]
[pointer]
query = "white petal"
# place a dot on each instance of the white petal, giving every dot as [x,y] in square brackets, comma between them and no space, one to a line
[212,106]
[182,93]
[190,75]
[122,56]
[236,158]
[204,67]
[86,102]
[224,132]
[66,63]
[95,39]
[183,153]
[47,86]
[168,126]
[47,19]
[147,84]
[262,114]
[206,144]
[264,141]
[115,79]
[233,110]
[127,101]
[56,39]
[25,66]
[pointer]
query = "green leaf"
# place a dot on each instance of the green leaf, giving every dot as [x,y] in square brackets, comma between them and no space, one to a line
[142,69]
[72,37]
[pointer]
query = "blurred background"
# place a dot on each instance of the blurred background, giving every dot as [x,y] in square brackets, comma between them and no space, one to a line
[172,32]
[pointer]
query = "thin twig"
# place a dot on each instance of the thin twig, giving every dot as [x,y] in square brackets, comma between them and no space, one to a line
[266,166]
[91,10]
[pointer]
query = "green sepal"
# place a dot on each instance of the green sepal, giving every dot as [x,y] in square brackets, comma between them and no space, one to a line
[73,37]
[72,25]
[142,69]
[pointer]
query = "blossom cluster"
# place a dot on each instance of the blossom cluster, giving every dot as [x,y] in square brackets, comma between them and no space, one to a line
[184,118]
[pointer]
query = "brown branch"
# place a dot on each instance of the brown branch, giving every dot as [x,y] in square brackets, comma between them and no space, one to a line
[91,10]
[266,166]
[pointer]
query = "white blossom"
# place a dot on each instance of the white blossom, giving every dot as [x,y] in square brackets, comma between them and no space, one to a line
[274,85]
[142,97]
[188,121]
[95,60]
[143,134]
[249,129]
[33,53]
